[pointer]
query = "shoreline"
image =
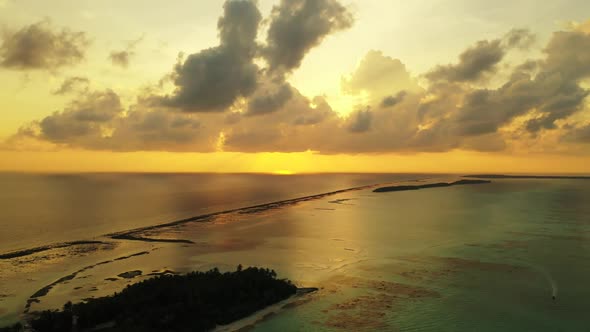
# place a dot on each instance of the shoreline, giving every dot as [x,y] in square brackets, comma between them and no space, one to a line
[136,234]
[249,322]
[42,292]
[398,257]
[243,210]
[259,290]
[430,185]
[130,234]
[503,176]
[30,251]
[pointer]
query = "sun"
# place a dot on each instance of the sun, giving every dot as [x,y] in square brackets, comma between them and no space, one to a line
[283,172]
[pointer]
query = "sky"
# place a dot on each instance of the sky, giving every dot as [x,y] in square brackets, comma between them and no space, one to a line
[295,86]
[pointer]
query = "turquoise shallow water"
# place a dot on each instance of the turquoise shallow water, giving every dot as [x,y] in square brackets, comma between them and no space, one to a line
[494,254]
[465,258]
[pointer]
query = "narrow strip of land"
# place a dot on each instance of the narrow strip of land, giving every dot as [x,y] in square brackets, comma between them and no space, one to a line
[149,239]
[131,234]
[429,185]
[502,176]
[30,251]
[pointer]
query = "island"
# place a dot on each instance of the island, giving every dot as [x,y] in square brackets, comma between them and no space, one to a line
[429,185]
[502,176]
[197,301]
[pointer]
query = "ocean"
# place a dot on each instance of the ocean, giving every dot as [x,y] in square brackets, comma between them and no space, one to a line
[487,257]
[42,208]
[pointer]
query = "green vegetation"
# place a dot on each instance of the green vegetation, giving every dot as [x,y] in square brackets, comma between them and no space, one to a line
[197,301]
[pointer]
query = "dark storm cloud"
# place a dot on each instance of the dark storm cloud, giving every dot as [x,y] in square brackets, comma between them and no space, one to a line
[72,84]
[41,46]
[212,80]
[296,26]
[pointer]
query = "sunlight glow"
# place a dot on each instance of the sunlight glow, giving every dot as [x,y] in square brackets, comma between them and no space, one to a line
[283,172]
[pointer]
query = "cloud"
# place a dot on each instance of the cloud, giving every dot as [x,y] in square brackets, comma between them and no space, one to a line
[380,76]
[545,99]
[567,100]
[40,46]
[482,58]
[269,100]
[553,94]
[123,57]
[120,58]
[72,84]
[207,82]
[296,26]
[539,103]
[567,53]
[360,121]
[579,134]
[313,112]
[98,120]
[519,38]
[84,119]
[295,127]
[390,101]
[156,129]
[238,27]
[213,79]
[473,63]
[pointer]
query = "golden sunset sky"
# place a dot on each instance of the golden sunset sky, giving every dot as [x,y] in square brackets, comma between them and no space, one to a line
[295,86]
